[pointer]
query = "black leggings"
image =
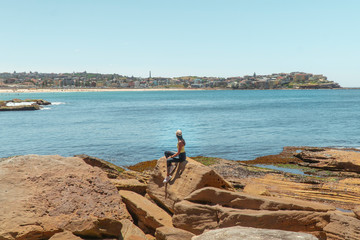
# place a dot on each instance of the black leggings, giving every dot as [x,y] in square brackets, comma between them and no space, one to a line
[181,157]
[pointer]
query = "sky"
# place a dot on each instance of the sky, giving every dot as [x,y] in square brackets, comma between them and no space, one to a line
[213,38]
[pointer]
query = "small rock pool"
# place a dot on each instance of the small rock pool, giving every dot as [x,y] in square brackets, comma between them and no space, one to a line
[283,169]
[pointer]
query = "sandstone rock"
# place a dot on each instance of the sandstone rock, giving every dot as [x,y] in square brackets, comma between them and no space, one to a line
[44,195]
[210,208]
[130,231]
[296,221]
[235,171]
[130,185]
[189,176]
[339,188]
[332,159]
[197,218]
[145,212]
[112,170]
[343,227]
[65,236]
[171,233]
[256,189]
[133,237]
[343,194]
[150,237]
[215,196]
[142,177]
[115,172]
[357,212]
[247,233]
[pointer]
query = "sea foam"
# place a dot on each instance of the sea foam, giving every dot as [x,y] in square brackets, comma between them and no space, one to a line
[57,103]
[13,104]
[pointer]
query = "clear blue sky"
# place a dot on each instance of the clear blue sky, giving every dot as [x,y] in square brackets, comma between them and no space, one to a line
[218,38]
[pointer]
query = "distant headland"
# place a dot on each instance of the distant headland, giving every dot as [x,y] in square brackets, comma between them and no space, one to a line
[84,80]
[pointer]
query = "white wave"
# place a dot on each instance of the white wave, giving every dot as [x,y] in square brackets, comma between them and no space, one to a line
[45,108]
[12,104]
[57,103]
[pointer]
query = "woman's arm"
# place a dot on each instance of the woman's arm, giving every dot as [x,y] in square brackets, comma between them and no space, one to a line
[180,145]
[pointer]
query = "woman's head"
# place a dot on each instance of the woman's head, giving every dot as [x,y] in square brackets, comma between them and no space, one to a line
[179,136]
[179,133]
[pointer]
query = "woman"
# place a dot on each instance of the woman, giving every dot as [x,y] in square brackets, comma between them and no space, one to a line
[172,157]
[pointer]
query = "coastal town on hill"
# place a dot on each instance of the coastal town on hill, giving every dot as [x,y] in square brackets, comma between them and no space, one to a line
[85,80]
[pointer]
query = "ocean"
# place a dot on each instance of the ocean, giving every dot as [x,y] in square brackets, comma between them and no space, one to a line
[129,127]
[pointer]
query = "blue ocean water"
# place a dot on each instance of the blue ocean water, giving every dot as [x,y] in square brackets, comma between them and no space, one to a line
[129,127]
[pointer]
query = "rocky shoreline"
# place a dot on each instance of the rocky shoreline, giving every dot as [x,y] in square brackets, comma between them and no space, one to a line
[22,105]
[82,197]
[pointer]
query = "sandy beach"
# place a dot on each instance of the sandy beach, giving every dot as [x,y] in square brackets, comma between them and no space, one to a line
[45,90]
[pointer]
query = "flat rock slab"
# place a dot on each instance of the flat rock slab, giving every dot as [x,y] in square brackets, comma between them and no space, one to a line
[211,208]
[144,211]
[197,218]
[248,233]
[45,195]
[241,200]
[331,159]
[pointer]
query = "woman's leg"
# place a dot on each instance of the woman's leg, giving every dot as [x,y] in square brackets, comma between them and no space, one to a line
[169,153]
[169,161]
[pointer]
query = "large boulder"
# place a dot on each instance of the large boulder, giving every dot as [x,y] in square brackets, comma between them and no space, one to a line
[332,159]
[44,195]
[146,214]
[189,176]
[211,208]
[248,233]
